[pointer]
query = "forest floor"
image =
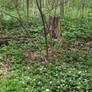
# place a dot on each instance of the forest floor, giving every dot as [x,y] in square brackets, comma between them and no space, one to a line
[24,68]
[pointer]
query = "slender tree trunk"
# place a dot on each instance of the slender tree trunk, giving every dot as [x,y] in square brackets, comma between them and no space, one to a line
[4,2]
[83,7]
[20,19]
[62,8]
[34,7]
[28,11]
[39,5]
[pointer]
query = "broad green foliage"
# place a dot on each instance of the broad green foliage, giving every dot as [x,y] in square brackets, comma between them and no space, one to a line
[77,29]
[74,75]
[23,65]
[53,78]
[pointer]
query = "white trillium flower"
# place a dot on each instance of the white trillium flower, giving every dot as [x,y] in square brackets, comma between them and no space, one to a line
[69,71]
[28,67]
[56,66]
[63,80]
[47,90]
[78,87]
[79,78]
[86,80]
[27,88]
[23,82]
[70,80]
[63,84]
[80,72]
[50,82]
[41,68]
[39,82]
[28,77]
[58,86]
[74,75]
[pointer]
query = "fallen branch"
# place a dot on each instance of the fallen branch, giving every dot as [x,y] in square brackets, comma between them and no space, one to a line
[22,27]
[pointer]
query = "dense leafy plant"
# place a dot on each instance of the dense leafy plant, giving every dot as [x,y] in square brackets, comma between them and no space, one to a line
[69,67]
[55,78]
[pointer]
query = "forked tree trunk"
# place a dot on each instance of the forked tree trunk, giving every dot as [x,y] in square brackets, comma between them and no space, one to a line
[54,26]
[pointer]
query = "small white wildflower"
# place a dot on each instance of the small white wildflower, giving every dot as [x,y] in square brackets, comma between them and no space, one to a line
[79,78]
[80,57]
[56,66]
[78,87]
[62,80]
[69,71]
[41,68]
[28,78]
[27,88]
[73,90]
[63,84]
[39,83]
[70,80]
[86,80]
[44,68]
[87,90]
[23,82]
[80,72]
[47,90]
[28,67]
[73,78]
[74,75]
[58,86]
[64,76]
[50,82]
[64,68]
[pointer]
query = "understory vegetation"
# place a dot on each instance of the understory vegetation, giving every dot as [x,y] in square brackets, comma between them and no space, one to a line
[23,63]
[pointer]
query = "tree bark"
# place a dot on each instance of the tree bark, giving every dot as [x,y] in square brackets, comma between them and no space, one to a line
[62,8]
[54,27]
[28,11]
[39,5]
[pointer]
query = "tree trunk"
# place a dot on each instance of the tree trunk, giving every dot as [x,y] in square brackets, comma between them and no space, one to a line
[28,11]
[34,7]
[54,27]
[83,7]
[62,8]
